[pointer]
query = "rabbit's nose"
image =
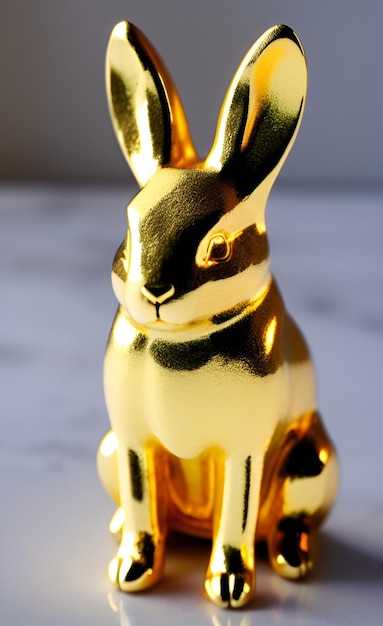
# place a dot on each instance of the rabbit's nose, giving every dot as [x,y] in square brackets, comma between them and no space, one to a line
[158,294]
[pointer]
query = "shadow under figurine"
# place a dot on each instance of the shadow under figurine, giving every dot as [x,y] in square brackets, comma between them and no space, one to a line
[208,381]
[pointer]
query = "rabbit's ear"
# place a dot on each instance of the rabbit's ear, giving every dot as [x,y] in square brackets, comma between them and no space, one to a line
[146,111]
[261,112]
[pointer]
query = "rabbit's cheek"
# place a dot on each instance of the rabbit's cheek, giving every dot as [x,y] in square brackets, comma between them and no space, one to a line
[137,307]
[119,288]
[216,297]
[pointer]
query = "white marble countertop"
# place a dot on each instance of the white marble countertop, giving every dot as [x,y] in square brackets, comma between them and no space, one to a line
[56,249]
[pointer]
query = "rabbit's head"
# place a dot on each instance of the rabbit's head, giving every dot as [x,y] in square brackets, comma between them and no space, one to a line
[196,250]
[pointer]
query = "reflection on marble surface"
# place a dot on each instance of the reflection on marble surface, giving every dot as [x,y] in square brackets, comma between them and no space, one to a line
[56,249]
[343,569]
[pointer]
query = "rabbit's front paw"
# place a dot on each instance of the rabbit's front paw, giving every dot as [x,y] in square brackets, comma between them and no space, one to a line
[232,584]
[137,566]
[289,548]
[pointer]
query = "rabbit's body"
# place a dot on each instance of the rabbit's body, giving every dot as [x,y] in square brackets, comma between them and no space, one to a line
[208,381]
[203,381]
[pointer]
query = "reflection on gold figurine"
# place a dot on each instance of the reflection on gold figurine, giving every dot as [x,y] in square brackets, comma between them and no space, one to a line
[208,381]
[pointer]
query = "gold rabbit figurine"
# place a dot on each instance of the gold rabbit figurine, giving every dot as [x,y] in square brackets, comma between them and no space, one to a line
[208,381]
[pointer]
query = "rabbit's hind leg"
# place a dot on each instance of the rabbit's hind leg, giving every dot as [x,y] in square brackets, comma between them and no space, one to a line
[107,465]
[308,479]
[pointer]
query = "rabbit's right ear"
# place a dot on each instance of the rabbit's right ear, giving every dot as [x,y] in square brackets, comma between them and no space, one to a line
[146,111]
[261,112]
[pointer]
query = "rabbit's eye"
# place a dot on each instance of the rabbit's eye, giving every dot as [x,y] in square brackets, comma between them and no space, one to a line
[219,249]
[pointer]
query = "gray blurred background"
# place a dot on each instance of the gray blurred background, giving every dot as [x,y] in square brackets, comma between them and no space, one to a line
[54,123]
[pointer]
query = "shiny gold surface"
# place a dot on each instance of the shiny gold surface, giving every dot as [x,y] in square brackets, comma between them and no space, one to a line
[208,382]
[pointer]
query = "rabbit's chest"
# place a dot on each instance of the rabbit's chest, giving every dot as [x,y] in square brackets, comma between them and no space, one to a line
[205,399]
[194,394]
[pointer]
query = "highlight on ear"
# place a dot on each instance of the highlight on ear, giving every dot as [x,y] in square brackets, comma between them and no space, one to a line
[262,111]
[146,111]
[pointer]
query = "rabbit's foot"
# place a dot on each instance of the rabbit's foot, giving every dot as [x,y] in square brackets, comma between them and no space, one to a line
[232,584]
[289,548]
[138,567]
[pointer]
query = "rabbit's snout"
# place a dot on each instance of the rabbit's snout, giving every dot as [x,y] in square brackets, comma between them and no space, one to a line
[158,294]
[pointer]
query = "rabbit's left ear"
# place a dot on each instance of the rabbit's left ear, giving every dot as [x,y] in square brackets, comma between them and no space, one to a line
[146,111]
[261,112]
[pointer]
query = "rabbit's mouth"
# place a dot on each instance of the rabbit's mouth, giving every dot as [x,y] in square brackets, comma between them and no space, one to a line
[159,308]
[165,320]
[157,295]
